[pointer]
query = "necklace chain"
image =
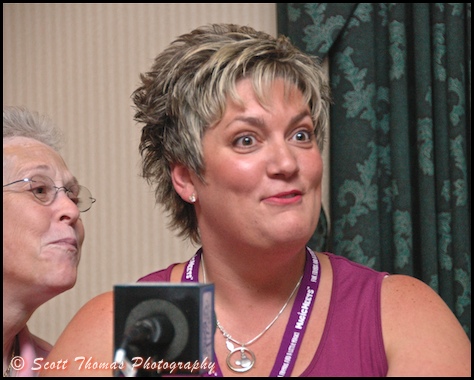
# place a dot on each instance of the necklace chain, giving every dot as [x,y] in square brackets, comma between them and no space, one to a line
[228,336]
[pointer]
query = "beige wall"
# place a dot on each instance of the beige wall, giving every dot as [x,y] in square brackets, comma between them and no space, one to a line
[79,63]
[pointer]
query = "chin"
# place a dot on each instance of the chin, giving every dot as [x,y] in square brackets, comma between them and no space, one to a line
[57,289]
[294,230]
[63,281]
[50,290]
[290,238]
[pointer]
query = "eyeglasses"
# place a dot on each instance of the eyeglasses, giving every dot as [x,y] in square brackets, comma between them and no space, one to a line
[45,191]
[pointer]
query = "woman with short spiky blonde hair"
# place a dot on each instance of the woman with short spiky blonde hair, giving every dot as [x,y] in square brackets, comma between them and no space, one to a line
[186,91]
[233,124]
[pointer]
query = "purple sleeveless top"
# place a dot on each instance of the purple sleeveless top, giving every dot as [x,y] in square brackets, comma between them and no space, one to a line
[352,343]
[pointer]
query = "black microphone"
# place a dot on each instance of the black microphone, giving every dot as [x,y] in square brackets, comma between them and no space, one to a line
[164,328]
[156,329]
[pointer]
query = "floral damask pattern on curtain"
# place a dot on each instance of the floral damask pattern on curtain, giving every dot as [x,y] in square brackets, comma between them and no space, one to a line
[400,135]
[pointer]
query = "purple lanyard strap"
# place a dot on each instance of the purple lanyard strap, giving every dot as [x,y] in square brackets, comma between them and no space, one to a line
[299,316]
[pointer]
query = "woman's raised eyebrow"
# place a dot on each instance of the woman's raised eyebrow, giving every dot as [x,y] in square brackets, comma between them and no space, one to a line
[252,120]
[300,117]
[259,122]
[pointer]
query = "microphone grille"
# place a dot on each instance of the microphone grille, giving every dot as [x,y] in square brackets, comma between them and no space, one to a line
[154,307]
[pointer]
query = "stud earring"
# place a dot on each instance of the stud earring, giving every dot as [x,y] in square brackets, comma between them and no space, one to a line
[192,198]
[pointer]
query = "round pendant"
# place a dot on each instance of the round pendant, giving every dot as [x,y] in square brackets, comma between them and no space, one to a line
[240,363]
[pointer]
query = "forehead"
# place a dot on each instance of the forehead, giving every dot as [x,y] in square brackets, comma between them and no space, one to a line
[249,94]
[22,155]
[264,92]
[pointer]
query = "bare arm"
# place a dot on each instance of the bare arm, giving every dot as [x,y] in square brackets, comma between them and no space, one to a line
[422,336]
[86,341]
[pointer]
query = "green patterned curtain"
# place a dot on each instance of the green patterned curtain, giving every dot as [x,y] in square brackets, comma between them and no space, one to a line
[400,139]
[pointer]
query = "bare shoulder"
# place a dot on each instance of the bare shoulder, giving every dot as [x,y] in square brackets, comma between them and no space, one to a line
[422,337]
[86,342]
[177,272]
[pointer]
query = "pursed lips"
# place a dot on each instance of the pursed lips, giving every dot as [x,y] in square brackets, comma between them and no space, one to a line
[72,242]
[286,197]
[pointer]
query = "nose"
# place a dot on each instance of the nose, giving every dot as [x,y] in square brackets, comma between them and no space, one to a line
[282,159]
[65,206]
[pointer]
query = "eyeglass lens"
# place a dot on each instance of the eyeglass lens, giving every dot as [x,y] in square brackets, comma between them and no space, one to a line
[44,190]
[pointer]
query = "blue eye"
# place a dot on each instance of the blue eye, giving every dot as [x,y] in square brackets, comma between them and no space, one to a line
[245,141]
[303,135]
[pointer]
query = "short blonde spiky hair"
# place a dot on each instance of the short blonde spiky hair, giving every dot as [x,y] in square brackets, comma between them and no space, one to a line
[186,92]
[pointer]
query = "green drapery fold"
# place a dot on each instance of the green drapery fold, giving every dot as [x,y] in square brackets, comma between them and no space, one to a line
[400,167]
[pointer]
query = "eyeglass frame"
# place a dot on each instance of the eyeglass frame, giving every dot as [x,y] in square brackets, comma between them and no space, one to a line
[66,191]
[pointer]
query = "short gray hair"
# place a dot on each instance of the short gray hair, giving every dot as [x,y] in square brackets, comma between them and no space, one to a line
[20,122]
[186,91]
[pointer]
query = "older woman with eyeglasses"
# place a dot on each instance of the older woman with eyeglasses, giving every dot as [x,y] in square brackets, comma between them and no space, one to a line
[42,231]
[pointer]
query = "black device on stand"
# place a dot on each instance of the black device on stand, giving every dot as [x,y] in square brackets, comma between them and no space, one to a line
[163,329]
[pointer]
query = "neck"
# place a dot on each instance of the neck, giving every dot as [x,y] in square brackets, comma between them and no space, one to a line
[15,317]
[238,290]
[10,331]
[254,272]
[8,355]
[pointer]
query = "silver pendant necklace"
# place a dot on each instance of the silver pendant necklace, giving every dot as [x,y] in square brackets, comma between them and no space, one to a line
[242,359]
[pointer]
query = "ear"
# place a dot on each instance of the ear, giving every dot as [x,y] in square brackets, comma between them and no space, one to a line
[182,181]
